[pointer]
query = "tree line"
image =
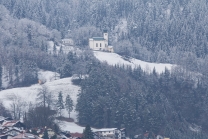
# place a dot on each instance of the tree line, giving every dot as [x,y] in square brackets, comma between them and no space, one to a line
[167,103]
[160,28]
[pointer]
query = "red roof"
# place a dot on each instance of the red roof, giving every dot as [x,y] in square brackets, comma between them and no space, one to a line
[76,134]
[9,123]
[20,136]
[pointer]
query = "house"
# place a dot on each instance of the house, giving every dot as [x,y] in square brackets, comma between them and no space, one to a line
[25,136]
[65,134]
[76,135]
[100,43]
[112,133]
[3,119]
[50,132]
[13,132]
[12,124]
[67,42]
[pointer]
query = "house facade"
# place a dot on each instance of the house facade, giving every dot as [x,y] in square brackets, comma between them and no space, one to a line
[67,42]
[110,133]
[100,43]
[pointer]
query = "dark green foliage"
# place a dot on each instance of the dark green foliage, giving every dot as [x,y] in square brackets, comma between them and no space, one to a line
[69,104]
[157,31]
[72,57]
[45,135]
[0,76]
[66,71]
[54,137]
[3,111]
[29,72]
[60,103]
[40,117]
[56,128]
[34,132]
[88,134]
[117,97]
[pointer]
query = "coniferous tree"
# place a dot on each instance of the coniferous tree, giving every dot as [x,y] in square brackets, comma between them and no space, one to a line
[0,76]
[45,135]
[88,134]
[66,71]
[60,103]
[69,104]
[54,49]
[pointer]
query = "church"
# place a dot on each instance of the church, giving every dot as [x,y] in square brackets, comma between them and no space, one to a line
[100,43]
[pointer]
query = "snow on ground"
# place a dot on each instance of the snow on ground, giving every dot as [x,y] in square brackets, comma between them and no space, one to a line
[29,94]
[47,76]
[73,127]
[115,59]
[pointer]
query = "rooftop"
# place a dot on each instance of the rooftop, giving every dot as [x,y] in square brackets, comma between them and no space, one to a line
[9,123]
[98,38]
[106,129]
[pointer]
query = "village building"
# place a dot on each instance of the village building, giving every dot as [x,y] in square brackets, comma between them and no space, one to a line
[112,133]
[67,42]
[100,43]
[25,136]
[13,124]
[3,119]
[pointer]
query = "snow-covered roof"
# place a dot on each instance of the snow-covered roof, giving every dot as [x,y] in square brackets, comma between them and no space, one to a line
[98,38]
[12,129]
[110,46]
[26,136]
[9,123]
[105,129]
[67,40]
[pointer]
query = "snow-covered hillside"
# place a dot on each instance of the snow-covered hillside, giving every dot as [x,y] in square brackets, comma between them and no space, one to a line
[115,59]
[55,85]
[29,94]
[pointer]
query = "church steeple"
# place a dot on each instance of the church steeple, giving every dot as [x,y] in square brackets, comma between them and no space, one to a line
[105,34]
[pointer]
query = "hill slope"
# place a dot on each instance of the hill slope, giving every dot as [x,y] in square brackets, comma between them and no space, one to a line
[115,59]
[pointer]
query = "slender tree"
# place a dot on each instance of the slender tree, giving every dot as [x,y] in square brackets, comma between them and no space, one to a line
[0,76]
[69,104]
[60,103]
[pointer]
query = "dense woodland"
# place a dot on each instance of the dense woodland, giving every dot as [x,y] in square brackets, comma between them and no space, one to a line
[167,31]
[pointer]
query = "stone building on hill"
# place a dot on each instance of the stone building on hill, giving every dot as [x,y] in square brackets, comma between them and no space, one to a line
[100,43]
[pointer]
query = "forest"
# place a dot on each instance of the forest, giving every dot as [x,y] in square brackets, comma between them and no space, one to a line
[161,31]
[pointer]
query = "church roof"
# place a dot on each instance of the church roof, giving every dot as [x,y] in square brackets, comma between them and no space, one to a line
[105,31]
[98,38]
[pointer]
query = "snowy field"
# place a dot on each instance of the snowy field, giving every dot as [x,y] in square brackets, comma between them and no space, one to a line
[29,94]
[73,128]
[115,59]
[54,84]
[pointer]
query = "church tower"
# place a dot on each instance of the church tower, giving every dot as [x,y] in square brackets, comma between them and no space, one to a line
[105,36]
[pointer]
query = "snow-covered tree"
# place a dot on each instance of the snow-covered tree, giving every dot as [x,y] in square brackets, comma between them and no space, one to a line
[60,103]
[69,104]
[0,76]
